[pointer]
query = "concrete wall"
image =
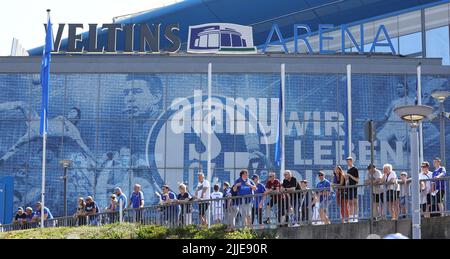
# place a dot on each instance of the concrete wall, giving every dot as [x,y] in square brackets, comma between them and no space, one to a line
[431,228]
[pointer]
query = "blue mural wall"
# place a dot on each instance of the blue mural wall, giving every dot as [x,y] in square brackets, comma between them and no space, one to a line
[121,129]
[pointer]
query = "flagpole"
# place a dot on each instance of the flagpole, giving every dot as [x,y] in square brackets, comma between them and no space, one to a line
[419,102]
[44,160]
[349,110]
[283,124]
[44,135]
[209,120]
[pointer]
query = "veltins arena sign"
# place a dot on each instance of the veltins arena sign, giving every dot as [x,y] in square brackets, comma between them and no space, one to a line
[217,38]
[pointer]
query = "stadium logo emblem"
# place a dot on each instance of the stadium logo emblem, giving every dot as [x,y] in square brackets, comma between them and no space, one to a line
[221,38]
[242,143]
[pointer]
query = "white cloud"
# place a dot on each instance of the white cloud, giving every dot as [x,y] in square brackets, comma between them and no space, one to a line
[24,19]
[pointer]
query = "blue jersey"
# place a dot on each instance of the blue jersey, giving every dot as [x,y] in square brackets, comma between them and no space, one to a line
[136,198]
[439,184]
[325,184]
[171,196]
[227,193]
[46,212]
[260,189]
[122,198]
[244,189]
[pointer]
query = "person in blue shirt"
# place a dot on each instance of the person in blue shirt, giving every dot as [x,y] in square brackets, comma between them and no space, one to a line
[244,187]
[257,202]
[170,209]
[137,202]
[121,199]
[228,205]
[37,216]
[323,194]
[438,187]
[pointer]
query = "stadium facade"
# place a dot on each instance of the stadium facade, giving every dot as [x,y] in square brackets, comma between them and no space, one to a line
[129,114]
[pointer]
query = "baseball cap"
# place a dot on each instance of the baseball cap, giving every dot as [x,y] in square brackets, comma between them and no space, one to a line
[404,173]
[20,208]
[437,159]
[165,186]
[255,176]
[349,158]
[304,181]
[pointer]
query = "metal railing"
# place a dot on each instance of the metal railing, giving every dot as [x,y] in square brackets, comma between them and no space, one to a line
[270,210]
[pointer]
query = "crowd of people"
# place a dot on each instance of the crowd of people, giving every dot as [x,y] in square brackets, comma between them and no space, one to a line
[247,201]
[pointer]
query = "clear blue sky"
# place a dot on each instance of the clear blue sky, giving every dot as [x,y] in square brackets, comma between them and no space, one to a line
[24,19]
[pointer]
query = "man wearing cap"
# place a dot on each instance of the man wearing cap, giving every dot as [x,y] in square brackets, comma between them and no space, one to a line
[323,195]
[20,217]
[353,178]
[374,177]
[438,187]
[37,215]
[405,184]
[257,202]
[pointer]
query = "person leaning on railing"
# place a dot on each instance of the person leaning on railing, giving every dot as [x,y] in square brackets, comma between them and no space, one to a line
[183,198]
[425,188]
[37,216]
[244,187]
[80,213]
[438,188]
[374,178]
[341,192]
[393,192]
[170,207]
[323,193]
[272,189]
[289,186]
[91,209]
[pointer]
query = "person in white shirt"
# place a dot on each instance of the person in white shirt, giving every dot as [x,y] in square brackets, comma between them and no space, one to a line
[217,206]
[425,188]
[202,192]
[392,190]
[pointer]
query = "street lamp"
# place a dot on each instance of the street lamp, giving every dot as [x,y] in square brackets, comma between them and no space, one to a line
[440,96]
[65,164]
[413,114]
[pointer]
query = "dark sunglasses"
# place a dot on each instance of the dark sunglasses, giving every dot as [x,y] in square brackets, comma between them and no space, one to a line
[320,174]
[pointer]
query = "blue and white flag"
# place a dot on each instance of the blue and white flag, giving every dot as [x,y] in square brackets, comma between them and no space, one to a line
[45,76]
[278,147]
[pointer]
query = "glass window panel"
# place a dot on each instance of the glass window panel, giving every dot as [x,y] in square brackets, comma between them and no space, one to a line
[438,44]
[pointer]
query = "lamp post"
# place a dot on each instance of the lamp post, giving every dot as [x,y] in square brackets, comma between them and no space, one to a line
[65,164]
[413,114]
[440,96]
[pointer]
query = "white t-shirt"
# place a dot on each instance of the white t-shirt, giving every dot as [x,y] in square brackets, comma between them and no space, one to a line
[393,187]
[423,195]
[199,189]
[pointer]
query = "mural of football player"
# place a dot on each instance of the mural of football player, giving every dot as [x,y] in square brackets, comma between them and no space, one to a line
[391,128]
[59,126]
[142,96]
[258,163]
